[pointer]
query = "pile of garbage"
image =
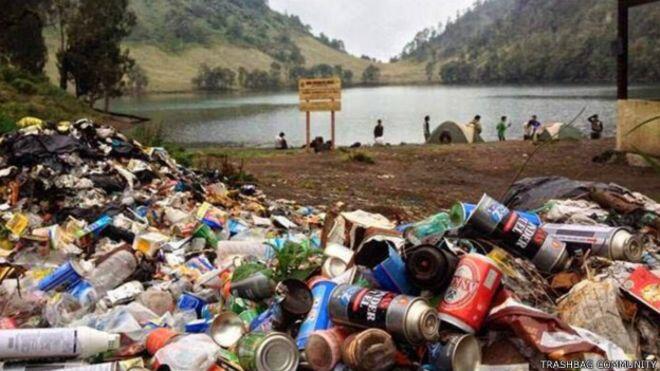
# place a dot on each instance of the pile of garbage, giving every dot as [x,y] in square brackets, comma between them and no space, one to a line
[114,257]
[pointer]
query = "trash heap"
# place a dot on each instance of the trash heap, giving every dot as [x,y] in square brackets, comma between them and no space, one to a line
[113,257]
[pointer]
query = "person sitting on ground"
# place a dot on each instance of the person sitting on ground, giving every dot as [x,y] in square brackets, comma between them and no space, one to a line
[280,142]
[445,137]
[533,127]
[501,129]
[475,124]
[596,126]
[427,128]
[379,131]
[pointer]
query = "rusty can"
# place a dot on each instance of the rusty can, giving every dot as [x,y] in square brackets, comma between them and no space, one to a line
[470,293]
[408,317]
[614,243]
[323,348]
[274,351]
[519,235]
[369,350]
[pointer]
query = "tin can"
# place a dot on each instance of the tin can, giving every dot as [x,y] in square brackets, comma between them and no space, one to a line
[255,287]
[65,276]
[615,243]
[458,352]
[248,316]
[227,329]
[323,348]
[369,350]
[391,275]
[462,211]
[189,301]
[318,317]
[430,267]
[470,293]
[274,351]
[408,317]
[519,235]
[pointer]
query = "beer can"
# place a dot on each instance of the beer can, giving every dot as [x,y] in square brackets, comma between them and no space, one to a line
[519,235]
[391,275]
[323,348]
[274,351]
[408,317]
[369,350]
[65,276]
[458,352]
[430,267]
[614,243]
[248,315]
[318,317]
[255,287]
[470,293]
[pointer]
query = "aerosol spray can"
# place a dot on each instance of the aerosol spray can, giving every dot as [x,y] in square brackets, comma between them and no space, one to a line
[519,235]
[611,242]
[408,317]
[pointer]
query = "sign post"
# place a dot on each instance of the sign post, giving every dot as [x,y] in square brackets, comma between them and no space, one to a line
[319,95]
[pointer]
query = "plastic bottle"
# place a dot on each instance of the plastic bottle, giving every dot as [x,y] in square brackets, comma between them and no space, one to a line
[435,225]
[113,271]
[81,342]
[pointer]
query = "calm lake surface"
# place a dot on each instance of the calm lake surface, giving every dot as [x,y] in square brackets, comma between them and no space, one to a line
[255,119]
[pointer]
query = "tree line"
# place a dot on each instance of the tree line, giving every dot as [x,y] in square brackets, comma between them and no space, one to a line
[277,77]
[89,54]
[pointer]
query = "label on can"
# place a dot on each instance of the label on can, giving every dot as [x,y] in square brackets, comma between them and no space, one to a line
[317,318]
[247,349]
[369,307]
[463,286]
[523,235]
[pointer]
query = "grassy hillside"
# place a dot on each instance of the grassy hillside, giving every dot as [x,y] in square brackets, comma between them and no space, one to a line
[173,38]
[538,41]
[24,95]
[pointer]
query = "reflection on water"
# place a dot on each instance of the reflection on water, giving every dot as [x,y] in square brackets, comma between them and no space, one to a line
[256,119]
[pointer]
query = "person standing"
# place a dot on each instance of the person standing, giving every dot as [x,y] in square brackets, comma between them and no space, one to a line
[475,124]
[596,127]
[501,129]
[379,131]
[427,128]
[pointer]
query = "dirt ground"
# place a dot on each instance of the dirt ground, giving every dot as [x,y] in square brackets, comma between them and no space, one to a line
[413,181]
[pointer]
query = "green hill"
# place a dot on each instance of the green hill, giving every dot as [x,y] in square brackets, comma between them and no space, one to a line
[521,41]
[172,38]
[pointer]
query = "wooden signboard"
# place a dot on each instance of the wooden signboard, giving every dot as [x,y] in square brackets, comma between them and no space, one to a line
[320,95]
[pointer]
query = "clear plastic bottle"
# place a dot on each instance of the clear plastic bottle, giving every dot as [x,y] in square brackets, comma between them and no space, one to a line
[113,271]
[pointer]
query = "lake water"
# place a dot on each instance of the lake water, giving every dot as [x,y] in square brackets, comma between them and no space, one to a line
[255,119]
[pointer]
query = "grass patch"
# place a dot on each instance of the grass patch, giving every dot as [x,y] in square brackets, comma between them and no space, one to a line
[361,157]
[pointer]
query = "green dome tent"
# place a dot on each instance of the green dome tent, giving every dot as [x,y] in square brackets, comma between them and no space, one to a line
[559,131]
[459,133]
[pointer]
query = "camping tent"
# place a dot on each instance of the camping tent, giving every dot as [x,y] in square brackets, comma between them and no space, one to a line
[559,131]
[459,133]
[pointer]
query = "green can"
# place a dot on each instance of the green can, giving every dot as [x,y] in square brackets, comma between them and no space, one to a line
[228,357]
[275,351]
[237,305]
[248,315]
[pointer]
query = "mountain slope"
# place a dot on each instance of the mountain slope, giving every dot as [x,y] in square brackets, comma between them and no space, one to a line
[172,38]
[538,41]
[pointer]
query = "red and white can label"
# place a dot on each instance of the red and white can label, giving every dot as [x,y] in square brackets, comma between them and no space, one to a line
[470,293]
